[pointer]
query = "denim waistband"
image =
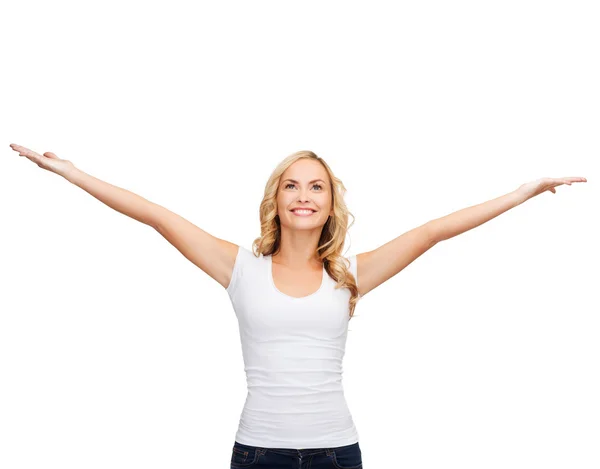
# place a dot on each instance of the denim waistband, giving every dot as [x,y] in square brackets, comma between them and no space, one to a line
[294,452]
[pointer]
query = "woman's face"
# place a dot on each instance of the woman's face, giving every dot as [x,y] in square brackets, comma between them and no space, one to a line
[304,184]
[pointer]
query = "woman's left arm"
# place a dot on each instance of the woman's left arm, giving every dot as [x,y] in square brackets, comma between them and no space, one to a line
[463,220]
[379,265]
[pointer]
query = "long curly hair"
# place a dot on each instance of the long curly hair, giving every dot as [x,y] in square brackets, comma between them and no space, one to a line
[334,231]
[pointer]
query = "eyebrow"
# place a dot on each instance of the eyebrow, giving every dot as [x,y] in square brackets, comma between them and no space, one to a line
[314,180]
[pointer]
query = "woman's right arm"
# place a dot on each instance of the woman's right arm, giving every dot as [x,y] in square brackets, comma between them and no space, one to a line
[117,198]
[214,256]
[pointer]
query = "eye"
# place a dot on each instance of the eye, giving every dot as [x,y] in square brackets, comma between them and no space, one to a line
[315,184]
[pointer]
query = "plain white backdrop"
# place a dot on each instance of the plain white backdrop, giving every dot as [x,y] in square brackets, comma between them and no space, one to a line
[117,352]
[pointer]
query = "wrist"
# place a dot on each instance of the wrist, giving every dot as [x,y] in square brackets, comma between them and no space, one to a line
[70,173]
[520,196]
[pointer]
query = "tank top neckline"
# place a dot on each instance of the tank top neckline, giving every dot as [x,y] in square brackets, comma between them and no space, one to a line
[272,282]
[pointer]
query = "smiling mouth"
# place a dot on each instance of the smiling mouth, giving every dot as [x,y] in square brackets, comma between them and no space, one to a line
[303,213]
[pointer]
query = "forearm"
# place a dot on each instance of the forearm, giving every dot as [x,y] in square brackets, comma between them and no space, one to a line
[117,198]
[463,220]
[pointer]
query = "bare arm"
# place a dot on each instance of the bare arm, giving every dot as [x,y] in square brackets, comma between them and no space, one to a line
[115,197]
[377,266]
[213,255]
[468,218]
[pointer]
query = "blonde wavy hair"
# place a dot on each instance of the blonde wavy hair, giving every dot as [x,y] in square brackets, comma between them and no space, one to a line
[334,231]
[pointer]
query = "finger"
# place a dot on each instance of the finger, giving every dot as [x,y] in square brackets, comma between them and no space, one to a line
[49,154]
[19,148]
[29,153]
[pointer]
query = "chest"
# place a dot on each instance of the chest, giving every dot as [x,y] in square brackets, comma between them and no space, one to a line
[296,283]
[273,304]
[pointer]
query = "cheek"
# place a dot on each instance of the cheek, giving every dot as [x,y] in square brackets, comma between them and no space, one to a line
[324,202]
[284,201]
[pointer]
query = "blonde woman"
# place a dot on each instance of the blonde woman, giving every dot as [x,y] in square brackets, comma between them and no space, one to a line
[294,294]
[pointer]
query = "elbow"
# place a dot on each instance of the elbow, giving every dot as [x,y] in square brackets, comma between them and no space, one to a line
[433,233]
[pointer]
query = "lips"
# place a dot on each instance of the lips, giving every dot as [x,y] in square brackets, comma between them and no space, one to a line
[303,212]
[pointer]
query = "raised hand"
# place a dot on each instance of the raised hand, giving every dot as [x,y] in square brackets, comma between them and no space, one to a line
[48,160]
[531,189]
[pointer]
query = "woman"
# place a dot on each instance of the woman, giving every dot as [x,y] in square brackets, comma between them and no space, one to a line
[293,295]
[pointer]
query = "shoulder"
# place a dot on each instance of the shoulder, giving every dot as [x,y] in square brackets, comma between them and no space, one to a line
[243,260]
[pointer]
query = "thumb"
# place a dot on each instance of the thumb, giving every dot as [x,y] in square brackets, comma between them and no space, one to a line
[49,154]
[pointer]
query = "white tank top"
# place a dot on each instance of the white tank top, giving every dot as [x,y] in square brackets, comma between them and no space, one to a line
[293,350]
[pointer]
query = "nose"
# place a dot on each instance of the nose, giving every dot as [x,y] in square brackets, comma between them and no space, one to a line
[303,197]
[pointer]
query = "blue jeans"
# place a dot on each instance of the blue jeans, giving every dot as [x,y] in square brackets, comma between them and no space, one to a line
[254,457]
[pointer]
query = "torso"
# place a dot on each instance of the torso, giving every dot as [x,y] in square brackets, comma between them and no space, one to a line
[293,348]
[296,283]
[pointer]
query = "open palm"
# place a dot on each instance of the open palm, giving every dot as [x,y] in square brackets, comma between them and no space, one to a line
[533,188]
[48,160]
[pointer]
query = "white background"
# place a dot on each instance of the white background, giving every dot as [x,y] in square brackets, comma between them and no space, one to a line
[117,352]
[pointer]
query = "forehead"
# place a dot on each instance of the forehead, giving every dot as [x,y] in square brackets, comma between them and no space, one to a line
[305,169]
